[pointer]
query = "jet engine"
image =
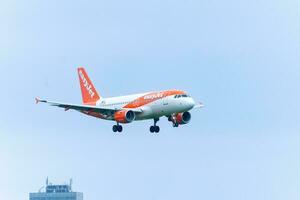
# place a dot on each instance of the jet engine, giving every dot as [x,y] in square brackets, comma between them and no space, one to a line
[180,118]
[183,118]
[124,116]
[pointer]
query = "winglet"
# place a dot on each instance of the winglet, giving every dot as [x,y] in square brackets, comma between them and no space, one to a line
[37,100]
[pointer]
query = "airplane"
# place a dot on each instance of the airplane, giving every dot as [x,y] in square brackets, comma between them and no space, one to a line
[174,104]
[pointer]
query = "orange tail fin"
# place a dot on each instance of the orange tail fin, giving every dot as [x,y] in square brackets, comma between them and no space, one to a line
[88,91]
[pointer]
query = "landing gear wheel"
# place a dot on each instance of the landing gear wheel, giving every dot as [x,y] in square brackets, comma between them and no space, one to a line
[115,128]
[152,129]
[120,128]
[175,124]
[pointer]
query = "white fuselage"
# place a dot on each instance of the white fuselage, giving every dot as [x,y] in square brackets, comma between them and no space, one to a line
[157,106]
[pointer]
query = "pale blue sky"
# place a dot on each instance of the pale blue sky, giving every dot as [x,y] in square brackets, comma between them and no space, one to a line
[241,58]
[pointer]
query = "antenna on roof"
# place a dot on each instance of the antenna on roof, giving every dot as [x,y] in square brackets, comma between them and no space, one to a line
[47,181]
[71,182]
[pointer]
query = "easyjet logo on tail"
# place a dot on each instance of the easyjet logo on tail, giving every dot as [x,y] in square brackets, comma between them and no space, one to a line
[88,90]
[86,84]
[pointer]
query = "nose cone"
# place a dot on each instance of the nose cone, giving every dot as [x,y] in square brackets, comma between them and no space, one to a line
[190,103]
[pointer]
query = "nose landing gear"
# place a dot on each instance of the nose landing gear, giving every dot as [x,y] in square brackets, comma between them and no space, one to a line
[172,119]
[155,128]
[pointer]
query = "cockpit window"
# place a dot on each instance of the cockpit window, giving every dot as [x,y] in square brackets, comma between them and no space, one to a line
[181,95]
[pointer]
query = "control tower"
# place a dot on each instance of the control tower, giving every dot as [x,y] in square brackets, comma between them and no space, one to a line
[56,192]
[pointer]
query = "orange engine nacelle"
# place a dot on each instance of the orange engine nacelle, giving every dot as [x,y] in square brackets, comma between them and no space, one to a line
[183,118]
[124,116]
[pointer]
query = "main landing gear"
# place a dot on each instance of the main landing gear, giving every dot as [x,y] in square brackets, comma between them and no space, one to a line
[155,128]
[117,128]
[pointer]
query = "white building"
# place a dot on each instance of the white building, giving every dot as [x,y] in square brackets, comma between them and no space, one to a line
[56,192]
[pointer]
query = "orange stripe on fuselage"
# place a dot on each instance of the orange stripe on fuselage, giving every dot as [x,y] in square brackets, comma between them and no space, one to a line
[151,97]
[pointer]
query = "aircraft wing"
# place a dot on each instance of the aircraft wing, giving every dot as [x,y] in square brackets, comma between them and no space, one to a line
[81,108]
